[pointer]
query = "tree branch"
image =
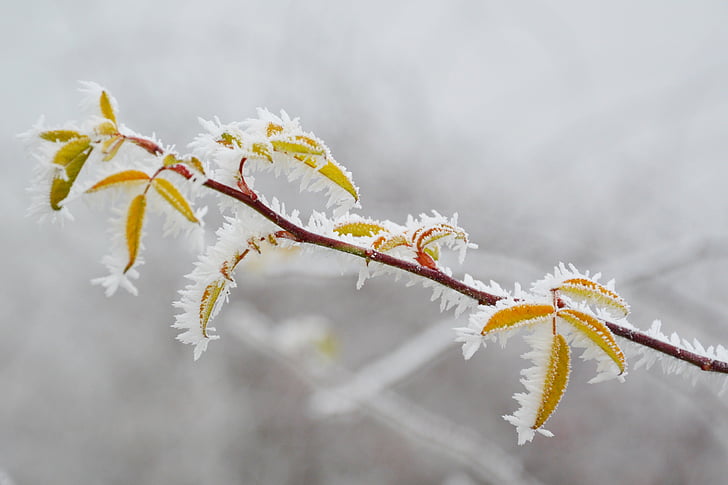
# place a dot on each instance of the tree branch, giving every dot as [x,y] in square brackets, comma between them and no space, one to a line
[483,298]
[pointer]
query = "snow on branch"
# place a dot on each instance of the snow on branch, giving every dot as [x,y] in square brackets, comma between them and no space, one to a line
[103,161]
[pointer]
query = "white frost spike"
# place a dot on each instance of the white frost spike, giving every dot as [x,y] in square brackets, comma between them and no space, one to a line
[214,271]
[533,380]
[118,258]
[606,367]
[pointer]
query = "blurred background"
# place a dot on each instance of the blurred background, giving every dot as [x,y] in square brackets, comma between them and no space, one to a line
[585,132]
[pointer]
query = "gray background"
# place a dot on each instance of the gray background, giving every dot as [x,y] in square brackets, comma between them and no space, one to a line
[586,132]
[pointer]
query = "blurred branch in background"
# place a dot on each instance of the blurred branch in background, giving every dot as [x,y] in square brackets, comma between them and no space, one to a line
[366,391]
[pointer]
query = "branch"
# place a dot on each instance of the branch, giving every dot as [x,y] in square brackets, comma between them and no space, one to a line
[483,298]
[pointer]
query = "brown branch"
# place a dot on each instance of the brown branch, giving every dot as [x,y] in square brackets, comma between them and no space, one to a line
[483,298]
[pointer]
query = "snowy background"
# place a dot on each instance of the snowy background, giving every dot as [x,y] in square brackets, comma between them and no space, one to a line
[585,132]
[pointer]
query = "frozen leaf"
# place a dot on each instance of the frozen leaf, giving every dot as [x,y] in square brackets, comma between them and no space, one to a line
[262,150]
[60,135]
[426,236]
[386,243]
[169,192]
[298,145]
[597,332]
[556,378]
[230,140]
[358,229]
[339,177]
[517,316]
[111,147]
[591,292]
[106,109]
[134,225]
[433,252]
[196,164]
[106,128]
[273,129]
[170,159]
[125,177]
[70,151]
[61,185]
[209,303]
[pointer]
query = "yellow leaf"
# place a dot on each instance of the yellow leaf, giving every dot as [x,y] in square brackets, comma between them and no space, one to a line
[106,109]
[61,186]
[262,150]
[273,129]
[111,147]
[169,192]
[228,139]
[517,316]
[337,176]
[586,290]
[297,146]
[68,152]
[556,378]
[597,332]
[308,161]
[134,225]
[169,159]
[196,164]
[359,229]
[433,251]
[125,177]
[60,135]
[106,128]
[209,301]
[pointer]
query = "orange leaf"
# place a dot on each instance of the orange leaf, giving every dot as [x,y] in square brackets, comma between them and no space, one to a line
[384,243]
[597,332]
[517,316]
[125,177]
[556,378]
[588,291]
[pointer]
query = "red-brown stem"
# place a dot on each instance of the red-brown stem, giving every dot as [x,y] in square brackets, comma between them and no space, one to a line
[300,234]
